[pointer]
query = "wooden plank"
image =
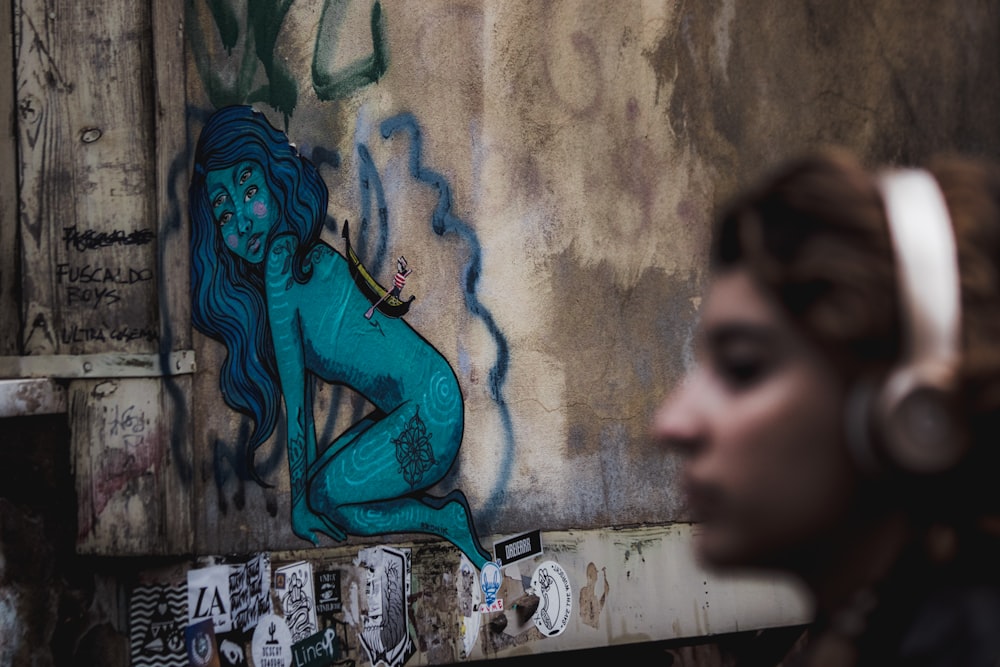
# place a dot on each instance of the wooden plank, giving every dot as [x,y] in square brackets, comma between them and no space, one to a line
[171,160]
[85,157]
[10,329]
[101,365]
[133,498]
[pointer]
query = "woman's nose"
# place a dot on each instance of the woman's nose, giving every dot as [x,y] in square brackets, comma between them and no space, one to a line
[244,222]
[679,422]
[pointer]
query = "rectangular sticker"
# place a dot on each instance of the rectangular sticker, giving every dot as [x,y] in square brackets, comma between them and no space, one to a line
[250,591]
[208,597]
[294,587]
[157,618]
[320,650]
[328,599]
[518,548]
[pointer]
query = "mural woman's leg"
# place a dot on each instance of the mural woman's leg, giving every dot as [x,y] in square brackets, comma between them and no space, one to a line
[374,483]
[448,518]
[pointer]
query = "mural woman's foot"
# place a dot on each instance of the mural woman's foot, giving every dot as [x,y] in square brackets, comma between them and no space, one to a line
[461,516]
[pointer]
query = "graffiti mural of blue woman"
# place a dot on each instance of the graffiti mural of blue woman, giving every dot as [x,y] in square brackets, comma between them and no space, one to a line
[284,304]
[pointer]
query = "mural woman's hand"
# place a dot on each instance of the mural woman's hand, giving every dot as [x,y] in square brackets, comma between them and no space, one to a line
[309,526]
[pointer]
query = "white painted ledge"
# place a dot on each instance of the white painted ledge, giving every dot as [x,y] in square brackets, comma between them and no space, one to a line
[648,583]
[103,365]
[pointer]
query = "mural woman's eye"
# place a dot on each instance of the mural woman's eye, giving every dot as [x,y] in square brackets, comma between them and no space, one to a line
[251,191]
[244,175]
[217,202]
[225,217]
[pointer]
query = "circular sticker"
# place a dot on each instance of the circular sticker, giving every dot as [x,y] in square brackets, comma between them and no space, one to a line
[555,598]
[272,642]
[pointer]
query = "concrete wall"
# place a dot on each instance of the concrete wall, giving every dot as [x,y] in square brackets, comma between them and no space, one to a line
[550,170]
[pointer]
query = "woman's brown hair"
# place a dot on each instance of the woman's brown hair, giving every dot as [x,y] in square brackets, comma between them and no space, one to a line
[814,236]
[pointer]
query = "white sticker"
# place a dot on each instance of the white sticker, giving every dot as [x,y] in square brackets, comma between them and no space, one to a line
[272,642]
[250,591]
[294,586]
[469,596]
[555,598]
[386,632]
[208,597]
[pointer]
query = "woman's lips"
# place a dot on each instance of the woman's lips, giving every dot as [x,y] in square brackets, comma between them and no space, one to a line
[254,244]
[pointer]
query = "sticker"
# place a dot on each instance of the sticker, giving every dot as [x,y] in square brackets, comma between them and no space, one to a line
[200,640]
[250,591]
[328,600]
[231,651]
[385,633]
[555,598]
[294,586]
[320,650]
[490,579]
[157,618]
[208,597]
[469,596]
[272,642]
[518,548]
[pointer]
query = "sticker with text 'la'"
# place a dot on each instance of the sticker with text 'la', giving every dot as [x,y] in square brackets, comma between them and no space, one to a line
[518,548]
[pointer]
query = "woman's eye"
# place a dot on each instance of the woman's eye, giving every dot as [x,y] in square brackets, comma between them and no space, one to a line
[244,176]
[742,371]
[251,191]
[217,202]
[743,374]
[225,217]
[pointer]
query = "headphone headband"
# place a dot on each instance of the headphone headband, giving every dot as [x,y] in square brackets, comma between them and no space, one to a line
[915,403]
[927,266]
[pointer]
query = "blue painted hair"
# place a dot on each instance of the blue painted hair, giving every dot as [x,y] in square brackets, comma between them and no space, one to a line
[227,292]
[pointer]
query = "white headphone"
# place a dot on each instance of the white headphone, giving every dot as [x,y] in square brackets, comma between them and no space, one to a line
[915,419]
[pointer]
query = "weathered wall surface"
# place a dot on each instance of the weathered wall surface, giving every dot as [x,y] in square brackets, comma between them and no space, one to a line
[583,148]
[550,171]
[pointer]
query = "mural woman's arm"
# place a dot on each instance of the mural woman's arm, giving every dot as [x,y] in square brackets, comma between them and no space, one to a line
[283,319]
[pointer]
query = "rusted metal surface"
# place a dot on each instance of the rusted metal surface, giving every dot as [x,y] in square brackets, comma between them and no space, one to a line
[25,397]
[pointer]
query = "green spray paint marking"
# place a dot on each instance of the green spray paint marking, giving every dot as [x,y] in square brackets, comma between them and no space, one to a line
[330,85]
[256,46]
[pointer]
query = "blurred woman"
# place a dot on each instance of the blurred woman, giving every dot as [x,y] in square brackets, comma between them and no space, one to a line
[842,422]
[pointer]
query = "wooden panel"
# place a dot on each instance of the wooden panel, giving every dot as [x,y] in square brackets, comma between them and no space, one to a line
[89,252]
[9,325]
[129,459]
[171,173]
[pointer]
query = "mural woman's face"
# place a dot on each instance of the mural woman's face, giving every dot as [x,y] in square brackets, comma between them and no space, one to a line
[759,421]
[242,207]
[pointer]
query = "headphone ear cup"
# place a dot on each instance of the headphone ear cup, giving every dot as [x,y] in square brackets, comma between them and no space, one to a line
[916,432]
[921,430]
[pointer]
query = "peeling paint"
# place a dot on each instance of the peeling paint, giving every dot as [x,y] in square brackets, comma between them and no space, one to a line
[590,604]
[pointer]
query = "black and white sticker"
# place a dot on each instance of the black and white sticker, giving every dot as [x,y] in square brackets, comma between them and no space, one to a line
[555,598]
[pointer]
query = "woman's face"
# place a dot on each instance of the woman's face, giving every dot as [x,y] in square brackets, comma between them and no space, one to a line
[242,207]
[760,423]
